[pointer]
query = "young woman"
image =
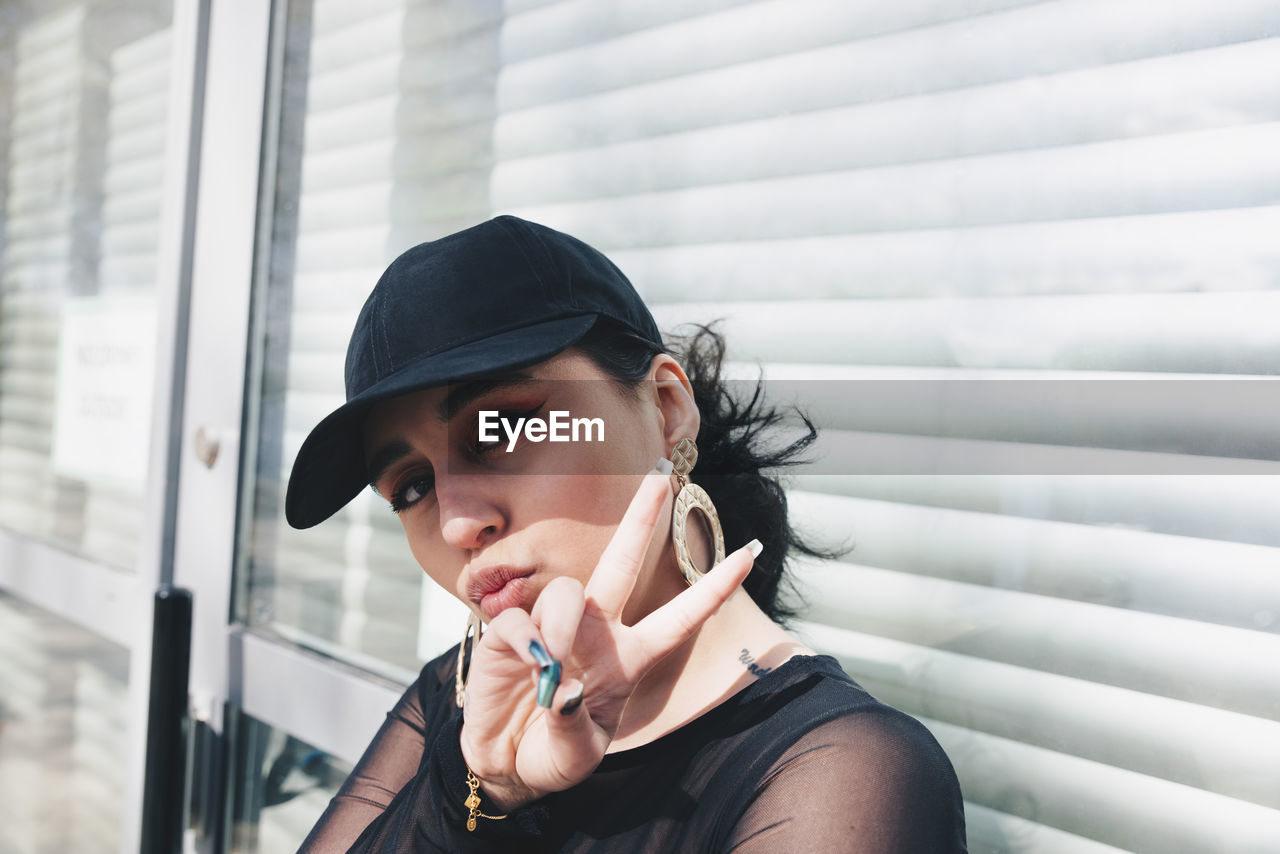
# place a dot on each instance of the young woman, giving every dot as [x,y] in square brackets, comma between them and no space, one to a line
[509,396]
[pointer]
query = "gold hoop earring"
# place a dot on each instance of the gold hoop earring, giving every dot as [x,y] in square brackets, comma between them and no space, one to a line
[689,496]
[460,686]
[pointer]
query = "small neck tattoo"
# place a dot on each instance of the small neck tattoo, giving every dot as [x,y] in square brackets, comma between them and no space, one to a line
[749,660]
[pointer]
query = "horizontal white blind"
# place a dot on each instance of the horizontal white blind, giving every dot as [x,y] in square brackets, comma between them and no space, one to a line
[913,192]
[62,732]
[86,159]
[46,255]
[399,116]
[1073,190]
[133,172]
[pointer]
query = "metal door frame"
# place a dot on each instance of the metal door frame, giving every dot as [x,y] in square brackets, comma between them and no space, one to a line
[326,703]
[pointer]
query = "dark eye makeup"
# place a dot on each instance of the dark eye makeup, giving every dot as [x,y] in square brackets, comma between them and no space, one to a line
[418,484]
[410,490]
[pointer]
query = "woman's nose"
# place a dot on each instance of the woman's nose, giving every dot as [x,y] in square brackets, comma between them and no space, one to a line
[469,515]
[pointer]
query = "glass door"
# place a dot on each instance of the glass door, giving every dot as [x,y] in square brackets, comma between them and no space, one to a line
[97,105]
[296,654]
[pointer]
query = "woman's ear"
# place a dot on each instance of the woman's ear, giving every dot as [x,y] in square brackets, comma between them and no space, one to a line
[677,410]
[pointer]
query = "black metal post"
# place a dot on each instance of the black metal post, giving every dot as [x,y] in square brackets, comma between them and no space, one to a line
[163,795]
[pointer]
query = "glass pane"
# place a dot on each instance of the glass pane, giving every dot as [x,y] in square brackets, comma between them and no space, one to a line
[83,101]
[282,785]
[350,587]
[63,714]
[986,190]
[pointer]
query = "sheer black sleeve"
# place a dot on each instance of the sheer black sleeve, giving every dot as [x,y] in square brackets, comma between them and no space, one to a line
[390,761]
[865,784]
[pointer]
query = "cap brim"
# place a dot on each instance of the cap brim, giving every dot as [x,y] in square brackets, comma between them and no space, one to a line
[330,467]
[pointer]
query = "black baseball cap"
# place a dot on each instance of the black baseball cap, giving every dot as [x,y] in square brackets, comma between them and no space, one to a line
[501,295]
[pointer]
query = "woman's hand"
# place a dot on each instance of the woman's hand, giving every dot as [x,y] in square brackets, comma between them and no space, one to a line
[520,751]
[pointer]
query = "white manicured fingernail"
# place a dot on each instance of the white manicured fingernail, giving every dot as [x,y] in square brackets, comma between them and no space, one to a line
[663,465]
[755,547]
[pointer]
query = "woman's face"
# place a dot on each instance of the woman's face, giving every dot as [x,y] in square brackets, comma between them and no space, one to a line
[494,526]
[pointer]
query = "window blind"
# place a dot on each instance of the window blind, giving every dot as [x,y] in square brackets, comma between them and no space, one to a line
[399,113]
[45,255]
[1031,188]
[64,721]
[1071,190]
[86,158]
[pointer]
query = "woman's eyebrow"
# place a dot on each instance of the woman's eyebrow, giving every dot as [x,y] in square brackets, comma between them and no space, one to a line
[458,397]
[464,393]
[384,459]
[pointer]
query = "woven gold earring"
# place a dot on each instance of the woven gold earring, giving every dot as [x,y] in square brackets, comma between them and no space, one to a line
[689,497]
[460,686]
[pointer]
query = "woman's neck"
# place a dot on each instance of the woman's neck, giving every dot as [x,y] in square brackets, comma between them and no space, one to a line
[736,646]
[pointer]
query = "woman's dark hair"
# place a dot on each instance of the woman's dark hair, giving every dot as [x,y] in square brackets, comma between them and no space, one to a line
[736,464]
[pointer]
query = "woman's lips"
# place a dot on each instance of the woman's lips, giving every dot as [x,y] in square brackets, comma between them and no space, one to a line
[498,588]
[510,595]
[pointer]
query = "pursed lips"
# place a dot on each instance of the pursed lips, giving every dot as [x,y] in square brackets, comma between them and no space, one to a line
[496,588]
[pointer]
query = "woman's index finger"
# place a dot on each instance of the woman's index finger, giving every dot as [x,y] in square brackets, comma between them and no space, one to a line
[615,576]
[675,622]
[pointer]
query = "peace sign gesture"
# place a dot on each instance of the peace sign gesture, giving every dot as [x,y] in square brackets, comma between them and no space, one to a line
[521,751]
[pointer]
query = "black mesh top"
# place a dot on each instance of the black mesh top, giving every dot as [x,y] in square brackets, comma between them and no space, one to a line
[803,759]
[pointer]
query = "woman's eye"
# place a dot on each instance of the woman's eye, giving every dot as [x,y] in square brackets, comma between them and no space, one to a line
[483,446]
[411,492]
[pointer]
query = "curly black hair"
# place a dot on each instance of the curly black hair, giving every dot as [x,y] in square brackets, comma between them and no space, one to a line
[737,465]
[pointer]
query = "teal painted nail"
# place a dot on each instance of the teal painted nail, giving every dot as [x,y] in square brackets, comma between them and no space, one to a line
[540,654]
[548,682]
[549,677]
